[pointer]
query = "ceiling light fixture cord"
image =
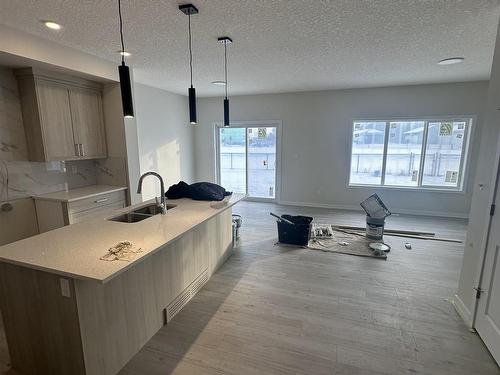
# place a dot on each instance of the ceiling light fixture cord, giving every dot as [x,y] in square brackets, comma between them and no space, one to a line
[121,30]
[190,50]
[225,64]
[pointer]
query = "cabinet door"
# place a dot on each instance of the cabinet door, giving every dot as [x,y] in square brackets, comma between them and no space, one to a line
[55,118]
[88,123]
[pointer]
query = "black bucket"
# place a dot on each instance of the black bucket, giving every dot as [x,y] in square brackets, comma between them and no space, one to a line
[297,233]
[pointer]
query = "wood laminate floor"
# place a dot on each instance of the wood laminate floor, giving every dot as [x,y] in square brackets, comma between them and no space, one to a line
[285,310]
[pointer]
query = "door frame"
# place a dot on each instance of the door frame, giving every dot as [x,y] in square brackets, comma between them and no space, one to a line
[478,278]
[278,124]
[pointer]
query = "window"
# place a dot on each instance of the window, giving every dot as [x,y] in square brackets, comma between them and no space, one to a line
[414,153]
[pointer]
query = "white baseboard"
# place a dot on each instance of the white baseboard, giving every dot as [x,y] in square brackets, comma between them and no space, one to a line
[462,310]
[358,208]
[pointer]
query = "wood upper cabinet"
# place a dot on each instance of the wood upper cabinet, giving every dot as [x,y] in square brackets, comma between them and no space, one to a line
[55,120]
[63,116]
[88,122]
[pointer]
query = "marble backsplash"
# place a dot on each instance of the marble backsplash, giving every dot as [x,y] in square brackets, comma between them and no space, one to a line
[26,179]
[111,171]
[21,179]
[12,137]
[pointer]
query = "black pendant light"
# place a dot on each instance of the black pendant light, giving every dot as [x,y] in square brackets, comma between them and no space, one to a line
[124,73]
[189,9]
[225,40]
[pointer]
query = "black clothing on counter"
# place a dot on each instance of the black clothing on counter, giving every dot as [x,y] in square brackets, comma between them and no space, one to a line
[180,190]
[200,191]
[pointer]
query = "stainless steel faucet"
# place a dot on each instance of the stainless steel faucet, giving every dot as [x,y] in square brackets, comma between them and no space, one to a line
[163,199]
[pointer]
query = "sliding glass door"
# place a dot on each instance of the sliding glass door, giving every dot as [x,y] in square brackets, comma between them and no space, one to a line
[247,160]
[232,159]
[261,156]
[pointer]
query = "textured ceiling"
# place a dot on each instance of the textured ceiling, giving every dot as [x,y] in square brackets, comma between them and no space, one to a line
[279,45]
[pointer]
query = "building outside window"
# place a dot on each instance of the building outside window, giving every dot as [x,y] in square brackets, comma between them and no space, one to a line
[413,153]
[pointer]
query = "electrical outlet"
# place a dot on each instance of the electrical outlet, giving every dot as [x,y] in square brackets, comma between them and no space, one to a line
[65,289]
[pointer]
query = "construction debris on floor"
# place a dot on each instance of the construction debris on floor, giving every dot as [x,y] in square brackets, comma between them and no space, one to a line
[403,233]
[328,238]
[376,212]
[362,241]
[369,244]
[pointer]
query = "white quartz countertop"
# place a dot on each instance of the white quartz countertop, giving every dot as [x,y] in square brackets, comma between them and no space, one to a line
[80,193]
[74,250]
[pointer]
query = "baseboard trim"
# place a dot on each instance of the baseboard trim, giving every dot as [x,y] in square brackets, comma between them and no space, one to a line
[462,310]
[455,215]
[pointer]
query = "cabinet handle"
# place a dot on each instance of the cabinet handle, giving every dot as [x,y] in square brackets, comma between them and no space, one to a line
[101,200]
[83,149]
[77,150]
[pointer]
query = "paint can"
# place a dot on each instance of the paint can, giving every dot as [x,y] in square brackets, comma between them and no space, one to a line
[237,225]
[375,228]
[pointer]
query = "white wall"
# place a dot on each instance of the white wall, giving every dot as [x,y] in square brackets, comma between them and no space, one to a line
[315,151]
[45,53]
[482,197]
[165,137]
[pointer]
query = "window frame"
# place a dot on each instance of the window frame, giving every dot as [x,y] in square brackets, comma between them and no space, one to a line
[278,124]
[464,160]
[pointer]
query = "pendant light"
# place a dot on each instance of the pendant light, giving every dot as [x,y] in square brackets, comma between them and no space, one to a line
[124,73]
[226,41]
[189,9]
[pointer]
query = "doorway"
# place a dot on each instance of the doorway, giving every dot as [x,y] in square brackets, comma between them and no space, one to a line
[248,159]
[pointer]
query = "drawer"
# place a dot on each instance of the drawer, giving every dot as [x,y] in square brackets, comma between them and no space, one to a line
[100,211]
[96,201]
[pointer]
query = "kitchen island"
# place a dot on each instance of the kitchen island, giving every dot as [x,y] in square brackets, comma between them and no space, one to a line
[66,311]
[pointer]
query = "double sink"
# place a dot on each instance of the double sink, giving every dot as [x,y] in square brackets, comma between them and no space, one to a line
[141,213]
[145,212]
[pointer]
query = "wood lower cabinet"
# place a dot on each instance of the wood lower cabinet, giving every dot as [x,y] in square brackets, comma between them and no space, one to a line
[59,325]
[63,116]
[52,214]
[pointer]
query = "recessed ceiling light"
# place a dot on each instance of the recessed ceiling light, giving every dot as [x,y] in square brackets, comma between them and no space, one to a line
[125,53]
[219,83]
[52,25]
[451,61]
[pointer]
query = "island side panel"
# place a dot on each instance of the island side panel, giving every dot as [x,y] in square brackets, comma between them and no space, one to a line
[221,247]
[117,318]
[41,324]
